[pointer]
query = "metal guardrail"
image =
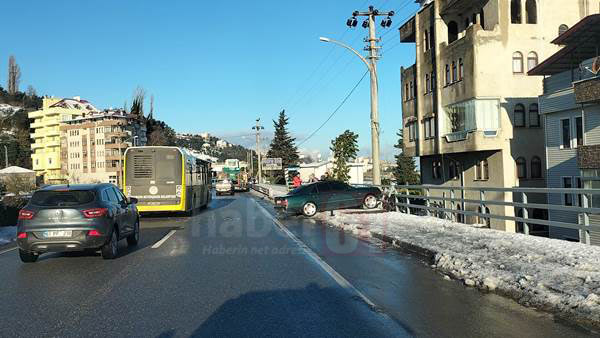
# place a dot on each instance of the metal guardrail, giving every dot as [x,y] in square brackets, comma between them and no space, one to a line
[437,205]
[262,190]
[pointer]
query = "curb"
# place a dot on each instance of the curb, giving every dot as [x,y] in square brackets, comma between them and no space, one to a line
[426,254]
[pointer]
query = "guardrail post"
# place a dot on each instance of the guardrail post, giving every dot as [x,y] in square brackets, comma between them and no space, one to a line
[584,234]
[525,213]
[407,201]
[439,212]
[427,204]
[395,193]
[452,214]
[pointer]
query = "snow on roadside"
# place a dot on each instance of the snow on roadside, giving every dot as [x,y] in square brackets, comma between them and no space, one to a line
[548,274]
[7,234]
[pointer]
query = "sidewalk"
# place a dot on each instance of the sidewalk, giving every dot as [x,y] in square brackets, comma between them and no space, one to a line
[551,275]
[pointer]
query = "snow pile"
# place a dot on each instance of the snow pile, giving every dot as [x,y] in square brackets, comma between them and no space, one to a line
[7,109]
[548,274]
[7,234]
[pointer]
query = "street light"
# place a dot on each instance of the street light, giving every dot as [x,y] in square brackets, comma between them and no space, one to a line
[374,107]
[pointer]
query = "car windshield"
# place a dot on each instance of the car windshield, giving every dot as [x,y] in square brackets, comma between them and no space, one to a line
[58,198]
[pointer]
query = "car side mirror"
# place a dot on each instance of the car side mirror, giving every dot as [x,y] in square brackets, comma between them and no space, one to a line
[133,200]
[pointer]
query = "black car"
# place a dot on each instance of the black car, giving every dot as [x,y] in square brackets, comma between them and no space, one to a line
[75,218]
[327,195]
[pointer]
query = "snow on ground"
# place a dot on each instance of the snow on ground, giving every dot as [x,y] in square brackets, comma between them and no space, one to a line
[548,274]
[7,234]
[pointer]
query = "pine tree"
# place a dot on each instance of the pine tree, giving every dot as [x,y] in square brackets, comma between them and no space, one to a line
[283,145]
[405,171]
[345,148]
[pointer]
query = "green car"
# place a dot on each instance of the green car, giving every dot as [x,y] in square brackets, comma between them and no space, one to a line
[325,196]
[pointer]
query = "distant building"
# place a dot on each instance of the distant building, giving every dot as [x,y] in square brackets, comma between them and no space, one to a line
[222,144]
[319,169]
[92,145]
[45,146]
[470,113]
[571,106]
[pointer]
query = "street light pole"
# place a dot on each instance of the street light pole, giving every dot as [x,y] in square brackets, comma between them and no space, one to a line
[5,156]
[372,66]
[258,128]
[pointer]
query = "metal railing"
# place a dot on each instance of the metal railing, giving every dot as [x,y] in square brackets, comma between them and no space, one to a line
[258,188]
[436,205]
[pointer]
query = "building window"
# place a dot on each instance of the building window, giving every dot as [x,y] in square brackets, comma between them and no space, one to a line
[406,92]
[519,115]
[454,170]
[517,63]
[486,170]
[482,170]
[531,11]
[532,60]
[534,115]
[427,84]
[536,167]
[521,168]
[411,132]
[579,185]
[427,128]
[467,23]
[579,130]
[426,40]
[482,19]
[452,31]
[565,130]
[433,84]
[461,69]
[454,72]
[437,169]
[567,197]
[562,29]
[515,11]
[447,75]
[412,90]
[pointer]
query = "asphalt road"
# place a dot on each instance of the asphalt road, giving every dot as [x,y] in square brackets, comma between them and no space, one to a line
[231,271]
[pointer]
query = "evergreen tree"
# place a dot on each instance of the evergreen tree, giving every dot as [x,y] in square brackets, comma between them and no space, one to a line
[405,171]
[283,145]
[345,148]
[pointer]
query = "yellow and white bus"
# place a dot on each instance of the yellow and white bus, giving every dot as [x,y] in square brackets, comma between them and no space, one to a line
[166,179]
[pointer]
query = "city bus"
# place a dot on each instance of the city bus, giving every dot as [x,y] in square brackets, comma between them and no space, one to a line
[166,179]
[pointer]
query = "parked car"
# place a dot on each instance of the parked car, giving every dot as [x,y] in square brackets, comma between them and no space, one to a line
[75,218]
[225,187]
[325,196]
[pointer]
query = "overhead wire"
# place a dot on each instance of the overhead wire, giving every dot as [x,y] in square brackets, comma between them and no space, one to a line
[336,109]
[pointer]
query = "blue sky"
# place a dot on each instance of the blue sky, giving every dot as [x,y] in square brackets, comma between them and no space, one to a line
[213,65]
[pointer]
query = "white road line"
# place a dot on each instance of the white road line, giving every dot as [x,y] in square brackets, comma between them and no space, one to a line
[8,250]
[159,243]
[343,282]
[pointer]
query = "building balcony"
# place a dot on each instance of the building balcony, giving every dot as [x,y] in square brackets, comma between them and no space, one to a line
[37,125]
[408,31]
[588,90]
[37,135]
[54,143]
[52,132]
[37,145]
[448,7]
[36,114]
[52,122]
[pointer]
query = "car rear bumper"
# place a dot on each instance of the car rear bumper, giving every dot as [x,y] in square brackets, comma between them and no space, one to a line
[80,240]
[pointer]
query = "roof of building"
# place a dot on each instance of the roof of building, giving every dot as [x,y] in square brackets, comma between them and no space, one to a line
[74,104]
[581,42]
[15,170]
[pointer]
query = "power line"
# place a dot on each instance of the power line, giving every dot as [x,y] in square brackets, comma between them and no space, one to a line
[335,111]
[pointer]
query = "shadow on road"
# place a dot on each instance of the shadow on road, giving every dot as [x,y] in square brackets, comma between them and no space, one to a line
[312,311]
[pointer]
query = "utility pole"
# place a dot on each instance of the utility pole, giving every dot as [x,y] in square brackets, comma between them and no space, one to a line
[373,56]
[258,128]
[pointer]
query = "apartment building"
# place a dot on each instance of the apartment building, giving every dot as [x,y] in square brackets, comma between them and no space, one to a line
[93,144]
[571,106]
[45,124]
[470,111]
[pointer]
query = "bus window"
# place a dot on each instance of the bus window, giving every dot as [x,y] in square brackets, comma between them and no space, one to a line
[168,167]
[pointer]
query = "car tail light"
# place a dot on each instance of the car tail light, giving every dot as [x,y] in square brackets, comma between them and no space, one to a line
[22,235]
[95,213]
[26,214]
[94,233]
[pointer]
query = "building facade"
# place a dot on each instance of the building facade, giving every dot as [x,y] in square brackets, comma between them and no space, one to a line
[93,144]
[571,106]
[470,111]
[45,124]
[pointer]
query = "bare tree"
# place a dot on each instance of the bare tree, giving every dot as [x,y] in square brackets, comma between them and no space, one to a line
[31,91]
[137,106]
[14,75]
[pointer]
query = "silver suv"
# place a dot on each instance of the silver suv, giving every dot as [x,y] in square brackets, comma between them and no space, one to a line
[75,218]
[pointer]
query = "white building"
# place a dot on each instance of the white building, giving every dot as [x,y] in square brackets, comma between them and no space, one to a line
[319,169]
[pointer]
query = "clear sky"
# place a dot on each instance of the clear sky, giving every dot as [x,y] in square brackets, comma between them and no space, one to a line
[213,66]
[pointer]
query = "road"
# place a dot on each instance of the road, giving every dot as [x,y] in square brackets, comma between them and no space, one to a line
[230,270]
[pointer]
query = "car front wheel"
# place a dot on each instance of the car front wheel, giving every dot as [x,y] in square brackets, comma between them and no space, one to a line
[309,209]
[134,238]
[27,257]
[370,202]
[111,248]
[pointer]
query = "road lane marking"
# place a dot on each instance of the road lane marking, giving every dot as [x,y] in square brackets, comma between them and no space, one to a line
[164,239]
[8,250]
[343,282]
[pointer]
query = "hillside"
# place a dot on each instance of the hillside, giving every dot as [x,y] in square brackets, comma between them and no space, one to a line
[209,147]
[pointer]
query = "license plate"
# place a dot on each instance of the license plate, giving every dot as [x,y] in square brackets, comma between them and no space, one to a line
[58,233]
